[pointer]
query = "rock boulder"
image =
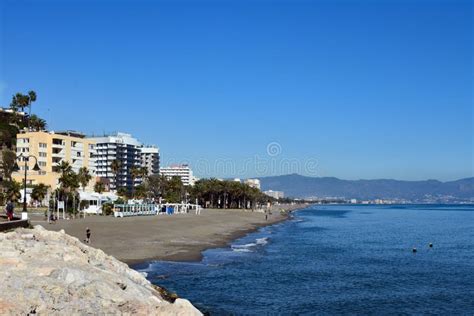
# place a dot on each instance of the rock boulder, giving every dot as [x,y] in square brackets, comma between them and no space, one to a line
[45,272]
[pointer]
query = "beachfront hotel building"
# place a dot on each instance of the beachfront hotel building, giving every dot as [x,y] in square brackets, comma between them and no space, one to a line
[123,148]
[150,159]
[183,171]
[275,194]
[52,148]
[130,152]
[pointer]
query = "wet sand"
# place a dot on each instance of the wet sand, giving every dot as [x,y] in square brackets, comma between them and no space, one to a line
[179,237]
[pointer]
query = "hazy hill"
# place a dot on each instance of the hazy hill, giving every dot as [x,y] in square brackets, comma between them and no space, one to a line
[295,185]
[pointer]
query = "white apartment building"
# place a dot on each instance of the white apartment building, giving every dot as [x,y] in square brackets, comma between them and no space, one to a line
[150,159]
[254,183]
[275,194]
[130,152]
[182,171]
[124,148]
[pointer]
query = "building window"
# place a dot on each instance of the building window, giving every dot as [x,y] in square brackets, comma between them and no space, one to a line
[42,154]
[43,145]
[42,164]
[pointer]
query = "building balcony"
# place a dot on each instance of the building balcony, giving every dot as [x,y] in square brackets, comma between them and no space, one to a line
[58,155]
[58,144]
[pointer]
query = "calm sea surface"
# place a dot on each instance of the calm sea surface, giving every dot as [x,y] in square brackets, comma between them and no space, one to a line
[338,260]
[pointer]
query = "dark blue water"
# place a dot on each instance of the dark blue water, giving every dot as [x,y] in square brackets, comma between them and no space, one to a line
[338,260]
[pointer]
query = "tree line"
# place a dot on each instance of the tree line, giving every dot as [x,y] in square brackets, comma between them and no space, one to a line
[10,125]
[212,193]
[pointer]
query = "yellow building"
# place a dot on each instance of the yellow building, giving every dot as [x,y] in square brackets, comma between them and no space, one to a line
[51,149]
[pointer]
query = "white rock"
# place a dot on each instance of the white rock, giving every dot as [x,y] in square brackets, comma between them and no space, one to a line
[53,273]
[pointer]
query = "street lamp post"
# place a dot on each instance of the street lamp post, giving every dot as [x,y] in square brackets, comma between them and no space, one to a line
[17,168]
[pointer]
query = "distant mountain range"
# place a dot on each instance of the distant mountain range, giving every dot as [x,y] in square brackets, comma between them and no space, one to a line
[298,186]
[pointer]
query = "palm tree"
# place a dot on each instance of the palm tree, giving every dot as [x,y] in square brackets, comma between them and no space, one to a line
[31,97]
[13,189]
[39,192]
[122,192]
[174,190]
[68,181]
[36,123]
[135,172]
[116,165]
[143,173]
[156,185]
[64,168]
[141,191]
[226,194]
[99,187]
[21,101]
[84,177]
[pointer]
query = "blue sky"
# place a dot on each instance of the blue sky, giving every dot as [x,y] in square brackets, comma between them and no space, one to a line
[352,89]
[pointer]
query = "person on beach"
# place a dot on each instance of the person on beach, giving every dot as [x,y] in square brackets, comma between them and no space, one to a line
[52,218]
[88,235]
[9,210]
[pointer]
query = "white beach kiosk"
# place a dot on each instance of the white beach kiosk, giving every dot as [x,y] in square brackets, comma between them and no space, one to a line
[96,200]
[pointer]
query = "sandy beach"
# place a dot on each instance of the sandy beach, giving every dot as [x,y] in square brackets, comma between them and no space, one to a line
[180,237]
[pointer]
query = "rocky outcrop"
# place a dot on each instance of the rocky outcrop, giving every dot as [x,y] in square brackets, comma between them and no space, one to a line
[47,272]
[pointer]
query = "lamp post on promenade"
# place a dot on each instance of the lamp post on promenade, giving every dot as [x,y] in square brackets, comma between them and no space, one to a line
[16,168]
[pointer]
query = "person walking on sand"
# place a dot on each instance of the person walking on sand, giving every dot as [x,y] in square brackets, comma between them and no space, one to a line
[88,235]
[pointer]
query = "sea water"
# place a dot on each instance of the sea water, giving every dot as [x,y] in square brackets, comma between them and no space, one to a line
[332,260]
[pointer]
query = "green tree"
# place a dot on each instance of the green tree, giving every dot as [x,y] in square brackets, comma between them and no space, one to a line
[31,97]
[107,209]
[99,187]
[21,101]
[226,194]
[174,190]
[8,163]
[84,177]
[122,192]
[135,173]
[36,123]
[116,166]
[12,191]
[68,184]
[156,185]
[141,191]
[8,134]
[39,192]
[64,168]
[143,173]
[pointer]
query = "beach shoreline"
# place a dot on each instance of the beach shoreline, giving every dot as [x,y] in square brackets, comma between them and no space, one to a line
[195,252]
[179,237]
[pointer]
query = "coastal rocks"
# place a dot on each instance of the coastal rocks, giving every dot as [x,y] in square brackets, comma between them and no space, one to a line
[44,272]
